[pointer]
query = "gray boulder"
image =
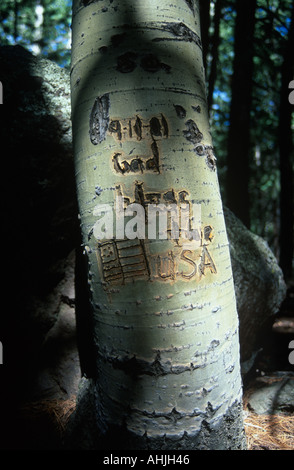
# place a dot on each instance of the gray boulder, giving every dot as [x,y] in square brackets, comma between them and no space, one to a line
[259,286]
[273,394]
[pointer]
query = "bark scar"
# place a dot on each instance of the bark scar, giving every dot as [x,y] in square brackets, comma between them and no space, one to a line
[99,119]
[192,133]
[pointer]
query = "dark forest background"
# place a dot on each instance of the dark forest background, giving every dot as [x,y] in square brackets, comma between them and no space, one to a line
[248,51]
[248,48]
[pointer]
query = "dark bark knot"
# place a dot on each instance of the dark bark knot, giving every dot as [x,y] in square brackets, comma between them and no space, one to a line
[180,32]
[151,63]
[192,132]
[118,39]
[194,135]
[211,160]
[136,367]
[126,63]
[181,112]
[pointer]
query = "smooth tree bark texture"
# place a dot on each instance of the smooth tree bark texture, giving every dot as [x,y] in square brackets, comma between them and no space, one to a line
[164,311]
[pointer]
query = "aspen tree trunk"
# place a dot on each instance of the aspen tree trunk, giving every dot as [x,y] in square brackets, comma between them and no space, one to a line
[164,310]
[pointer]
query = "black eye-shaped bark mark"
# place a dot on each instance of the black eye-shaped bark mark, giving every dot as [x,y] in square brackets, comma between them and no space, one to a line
[117,39]
[181,112]
[151,63]
[196,108]
[211,160]
[126,63]
[192,133]
[155,127]
[99,119]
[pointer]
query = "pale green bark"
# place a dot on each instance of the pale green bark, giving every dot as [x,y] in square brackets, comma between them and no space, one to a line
[166,325]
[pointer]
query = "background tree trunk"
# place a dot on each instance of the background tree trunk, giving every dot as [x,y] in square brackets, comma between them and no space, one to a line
[237,178]
[164,311]
[205,24]
[214,52]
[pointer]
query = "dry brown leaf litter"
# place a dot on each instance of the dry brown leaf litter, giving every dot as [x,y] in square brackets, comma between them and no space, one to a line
[269,432]
[263,432]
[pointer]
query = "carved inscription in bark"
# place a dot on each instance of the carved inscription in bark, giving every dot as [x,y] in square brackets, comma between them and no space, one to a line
[138,130]
[180,198]
[183,263]
[123,261]
[138,164]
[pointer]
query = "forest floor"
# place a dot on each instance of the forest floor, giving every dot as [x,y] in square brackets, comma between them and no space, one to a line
[43,422]
[269,432]
[272,370]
